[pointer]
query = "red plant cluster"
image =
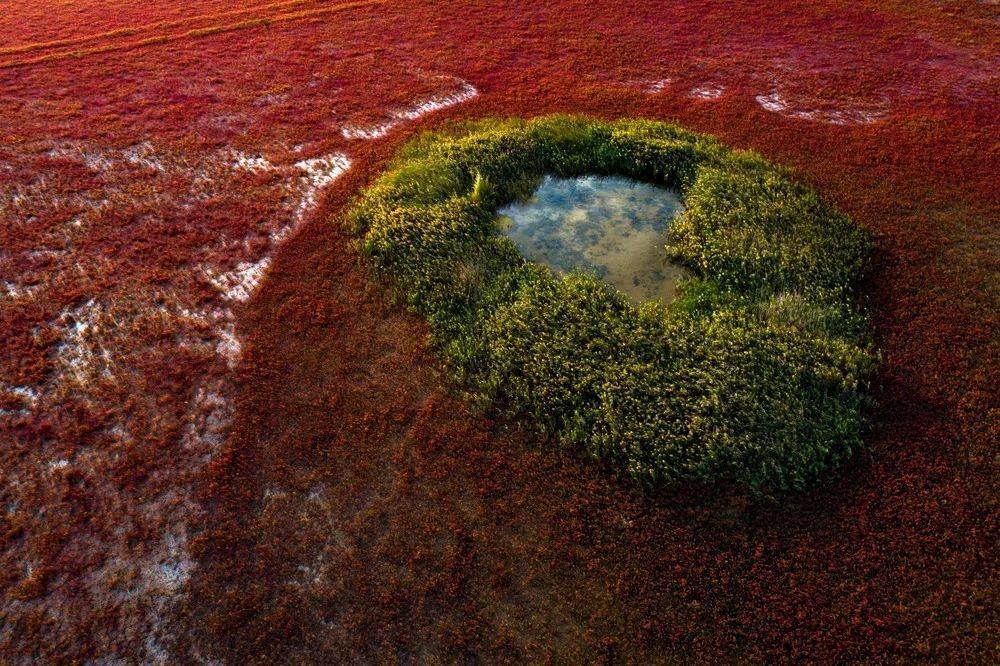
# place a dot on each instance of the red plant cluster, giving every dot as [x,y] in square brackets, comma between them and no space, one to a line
[194,466]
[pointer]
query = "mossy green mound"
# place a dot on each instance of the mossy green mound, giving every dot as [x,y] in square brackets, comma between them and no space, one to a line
[756,374]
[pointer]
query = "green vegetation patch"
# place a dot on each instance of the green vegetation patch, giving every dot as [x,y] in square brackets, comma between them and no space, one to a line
[756,374]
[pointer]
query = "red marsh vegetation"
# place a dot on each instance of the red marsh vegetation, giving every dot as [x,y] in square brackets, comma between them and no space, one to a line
[219,439]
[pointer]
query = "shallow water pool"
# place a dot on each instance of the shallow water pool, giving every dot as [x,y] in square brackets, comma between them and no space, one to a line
[612,226]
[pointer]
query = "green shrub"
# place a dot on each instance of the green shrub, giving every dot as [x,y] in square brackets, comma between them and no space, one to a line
[756,374]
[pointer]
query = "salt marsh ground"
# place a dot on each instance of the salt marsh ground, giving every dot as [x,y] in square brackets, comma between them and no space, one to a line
[220,439]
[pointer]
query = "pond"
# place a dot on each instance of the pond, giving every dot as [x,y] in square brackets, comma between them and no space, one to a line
[614,227]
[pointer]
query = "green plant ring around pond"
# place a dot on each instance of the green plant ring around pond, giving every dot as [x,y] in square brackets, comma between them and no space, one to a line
[755,375]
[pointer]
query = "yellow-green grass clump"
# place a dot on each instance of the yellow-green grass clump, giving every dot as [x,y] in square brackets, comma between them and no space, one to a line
[755,375]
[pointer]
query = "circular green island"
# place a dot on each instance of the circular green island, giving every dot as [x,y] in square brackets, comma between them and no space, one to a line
[750,367]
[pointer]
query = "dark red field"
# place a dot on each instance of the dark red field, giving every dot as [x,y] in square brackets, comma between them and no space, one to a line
[219,439]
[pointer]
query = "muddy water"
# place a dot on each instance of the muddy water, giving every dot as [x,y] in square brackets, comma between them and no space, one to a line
[614,227]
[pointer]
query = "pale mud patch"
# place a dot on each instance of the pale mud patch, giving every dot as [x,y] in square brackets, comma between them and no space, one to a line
[318,172]
[16,292]
[823,86]
[707,91]
[17,401]
[145,585]
[317,566]
[654,86]
[81,354]
[778,102]
[239,283]
[464,92]
[208,418]
[648,85]
[318,570]
[97,340]
[303,181]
